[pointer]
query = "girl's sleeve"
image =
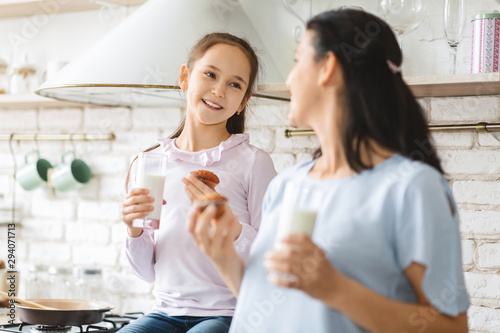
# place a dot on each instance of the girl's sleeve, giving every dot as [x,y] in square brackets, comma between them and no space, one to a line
[427,233]
[140,250]
[260,174]
[140,254]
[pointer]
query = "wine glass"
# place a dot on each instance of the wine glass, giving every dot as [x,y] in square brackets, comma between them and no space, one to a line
[454,25]
[402,15]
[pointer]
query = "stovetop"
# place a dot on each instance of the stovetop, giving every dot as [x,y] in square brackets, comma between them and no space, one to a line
[110,323]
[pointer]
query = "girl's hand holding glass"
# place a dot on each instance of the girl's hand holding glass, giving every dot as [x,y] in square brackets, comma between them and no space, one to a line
[137,205]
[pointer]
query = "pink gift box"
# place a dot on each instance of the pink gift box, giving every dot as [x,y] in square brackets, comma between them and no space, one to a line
[485,43]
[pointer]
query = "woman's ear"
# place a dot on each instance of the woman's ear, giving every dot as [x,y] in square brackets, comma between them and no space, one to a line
[183,77]
[328,68]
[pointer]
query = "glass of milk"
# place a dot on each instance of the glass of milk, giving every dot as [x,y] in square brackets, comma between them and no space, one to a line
[151,171]
[299,208]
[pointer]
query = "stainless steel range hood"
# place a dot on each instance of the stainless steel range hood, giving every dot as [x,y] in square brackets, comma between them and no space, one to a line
[137,63]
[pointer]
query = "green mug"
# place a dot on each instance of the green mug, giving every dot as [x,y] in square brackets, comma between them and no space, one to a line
[33,174]
[70,175]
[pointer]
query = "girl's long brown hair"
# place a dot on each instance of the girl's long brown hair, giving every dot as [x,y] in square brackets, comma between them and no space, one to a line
[236,123]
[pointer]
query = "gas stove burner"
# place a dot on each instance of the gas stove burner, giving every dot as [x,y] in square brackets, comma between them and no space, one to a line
[50,329]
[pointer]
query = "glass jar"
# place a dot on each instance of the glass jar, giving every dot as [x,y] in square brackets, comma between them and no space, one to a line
[23,79]
[3,77]
[37,282]
[89,284]
[61,282]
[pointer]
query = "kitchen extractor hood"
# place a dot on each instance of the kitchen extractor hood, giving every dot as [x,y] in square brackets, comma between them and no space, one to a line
[138,62]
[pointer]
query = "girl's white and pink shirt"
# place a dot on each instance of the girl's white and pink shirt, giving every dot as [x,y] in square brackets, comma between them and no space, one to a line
[186,282]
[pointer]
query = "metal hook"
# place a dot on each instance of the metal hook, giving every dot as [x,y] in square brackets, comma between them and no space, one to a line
[72,142]
[11,139]
[37,146]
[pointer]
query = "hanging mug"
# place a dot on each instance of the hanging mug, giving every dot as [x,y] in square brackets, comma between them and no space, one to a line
[33,173]
[70,175]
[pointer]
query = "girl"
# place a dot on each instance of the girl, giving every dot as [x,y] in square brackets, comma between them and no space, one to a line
[390,257]
[190,295]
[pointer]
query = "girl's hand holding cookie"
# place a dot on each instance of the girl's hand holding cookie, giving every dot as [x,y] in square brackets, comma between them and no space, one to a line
[199,183]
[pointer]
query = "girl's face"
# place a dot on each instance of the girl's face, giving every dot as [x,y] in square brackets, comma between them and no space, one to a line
[302,82]
[216,84]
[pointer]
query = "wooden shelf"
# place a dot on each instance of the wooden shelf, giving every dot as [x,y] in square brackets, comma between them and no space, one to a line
[422,86]
[425,86]
[33,101]
[18,8]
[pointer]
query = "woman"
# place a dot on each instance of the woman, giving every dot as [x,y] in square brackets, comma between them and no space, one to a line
[385,253]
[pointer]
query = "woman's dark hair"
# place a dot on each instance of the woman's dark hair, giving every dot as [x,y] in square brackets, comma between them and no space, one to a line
[379,104]
[236,123]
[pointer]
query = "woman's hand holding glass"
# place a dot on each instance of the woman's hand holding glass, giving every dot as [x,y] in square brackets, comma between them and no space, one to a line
[300,257]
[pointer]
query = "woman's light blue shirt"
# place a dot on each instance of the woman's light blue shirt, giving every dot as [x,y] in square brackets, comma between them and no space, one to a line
[371,226]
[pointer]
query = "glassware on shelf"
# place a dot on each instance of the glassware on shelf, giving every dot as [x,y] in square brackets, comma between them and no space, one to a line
[3,76]
[37,282]
[454,25]
[61,282]
[402,15]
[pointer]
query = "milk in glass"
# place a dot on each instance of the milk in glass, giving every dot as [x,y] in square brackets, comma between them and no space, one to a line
[151,171]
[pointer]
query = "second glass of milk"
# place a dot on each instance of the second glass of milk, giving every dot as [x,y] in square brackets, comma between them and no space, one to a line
[151,171]
[298,210]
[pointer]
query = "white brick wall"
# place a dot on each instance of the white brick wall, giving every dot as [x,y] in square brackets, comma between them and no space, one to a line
[84,227]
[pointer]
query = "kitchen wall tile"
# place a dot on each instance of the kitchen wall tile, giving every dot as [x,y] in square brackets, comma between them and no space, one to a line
[18,120]
[84,255]
[471,161]
[87,232]
[488,256]
[483,319]
[465,109]
[49,253]
[68,120]
[151,118]
[262,138]
[481,285]
[106,120]
[106,211]
[267,114]
[488,140]
[480,223]
[112,188]
[468,247]
[477,192]
[107,164]
[42,229]
[59,209]
[282,161]
[131,143]
[118,233]
[453,140]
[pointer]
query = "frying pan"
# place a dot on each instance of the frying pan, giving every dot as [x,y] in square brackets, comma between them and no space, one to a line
[69,312]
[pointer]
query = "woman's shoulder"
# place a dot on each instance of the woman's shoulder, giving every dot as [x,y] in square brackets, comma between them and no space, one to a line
[406,170]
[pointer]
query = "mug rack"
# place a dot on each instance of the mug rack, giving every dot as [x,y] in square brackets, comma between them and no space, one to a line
[58,137]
